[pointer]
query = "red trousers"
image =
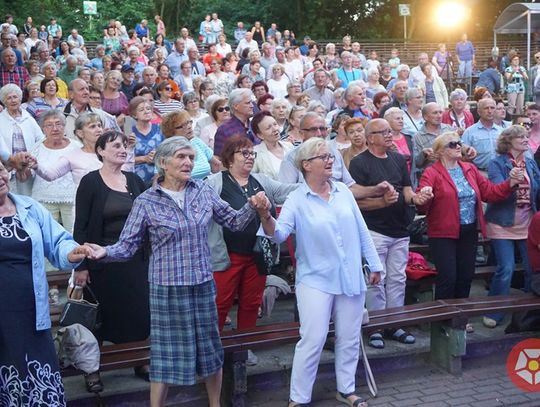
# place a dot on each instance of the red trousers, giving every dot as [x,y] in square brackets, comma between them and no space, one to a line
[242,279]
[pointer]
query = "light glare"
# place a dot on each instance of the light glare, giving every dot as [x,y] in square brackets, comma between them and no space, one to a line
[450,14]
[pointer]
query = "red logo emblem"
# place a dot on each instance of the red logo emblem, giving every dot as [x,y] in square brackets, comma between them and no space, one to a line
[523,365]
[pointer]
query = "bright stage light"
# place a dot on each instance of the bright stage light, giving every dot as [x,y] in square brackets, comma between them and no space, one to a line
[450,14]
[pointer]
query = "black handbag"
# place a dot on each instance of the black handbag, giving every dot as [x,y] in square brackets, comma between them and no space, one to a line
[266,255]
[81,312]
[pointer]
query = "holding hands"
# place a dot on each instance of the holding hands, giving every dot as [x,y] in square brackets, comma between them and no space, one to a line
[425,195]
[517,175]
[260,203]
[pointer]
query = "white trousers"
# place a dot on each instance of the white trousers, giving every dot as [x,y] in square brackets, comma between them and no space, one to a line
[316,308]
[394,254]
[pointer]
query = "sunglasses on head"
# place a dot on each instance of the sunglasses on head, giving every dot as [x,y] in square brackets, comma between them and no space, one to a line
[454,144]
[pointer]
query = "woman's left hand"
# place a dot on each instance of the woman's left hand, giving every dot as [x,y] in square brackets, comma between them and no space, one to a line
[260,202]
[79,254]
[374,277]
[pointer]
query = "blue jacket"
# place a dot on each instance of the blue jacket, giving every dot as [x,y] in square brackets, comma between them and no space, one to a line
[503,213]
[50,240]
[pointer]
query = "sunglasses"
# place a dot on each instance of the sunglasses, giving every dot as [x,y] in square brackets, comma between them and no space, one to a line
[454,144]
[527,125]
[223,109]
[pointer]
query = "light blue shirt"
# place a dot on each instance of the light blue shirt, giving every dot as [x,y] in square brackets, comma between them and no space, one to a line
[203,154]
[331,239]
[484,141]
[289,174]
[174,60]
[50,240]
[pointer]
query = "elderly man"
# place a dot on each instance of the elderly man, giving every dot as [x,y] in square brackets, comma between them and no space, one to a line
[347,74]
[49,72]
[133,60]
[239,32]
[356,50]
[128,81]
[96,63]
[247,42]
[483,134]
[268,58]
[355,97]
[10,72]
[416,75]
[75,40]
[5,39]
[387,218]
[238,125]
[197,68]
[149,77]
[399,91]
[320,90]
[71,71]
[403,72]
[313,125]
[188,41]
[177,56]
[79,95]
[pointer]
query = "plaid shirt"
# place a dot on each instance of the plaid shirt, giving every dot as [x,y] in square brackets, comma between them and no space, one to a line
[231,127]
[19,76]
[178,236]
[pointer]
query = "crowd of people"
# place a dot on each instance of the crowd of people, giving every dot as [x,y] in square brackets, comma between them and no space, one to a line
[169,172]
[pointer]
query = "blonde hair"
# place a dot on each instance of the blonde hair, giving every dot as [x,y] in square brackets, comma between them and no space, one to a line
[442,140]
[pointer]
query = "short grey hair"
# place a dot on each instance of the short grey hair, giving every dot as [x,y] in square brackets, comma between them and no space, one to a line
[315,104]
[133,49]
[72,58]
[85,118]
[308,149]
[393,110]
[167,149]
[237,95]
[52,114]
[403,67]
[47,64]
[10,88]
[458,94]
[411,94]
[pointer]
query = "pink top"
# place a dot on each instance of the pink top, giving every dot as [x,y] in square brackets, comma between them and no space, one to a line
[403,149]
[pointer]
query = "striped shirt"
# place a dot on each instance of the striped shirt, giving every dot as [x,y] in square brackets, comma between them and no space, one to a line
[178,236]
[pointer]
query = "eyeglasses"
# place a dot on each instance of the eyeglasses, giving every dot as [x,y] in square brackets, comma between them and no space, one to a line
[325,157]
[247,153]
[454,144]
[527,125]
[521,136]
[168,88]
[187,124]
[94,97]
[144,109]
[54,125]
[314,129]
[223,109]
[384,132]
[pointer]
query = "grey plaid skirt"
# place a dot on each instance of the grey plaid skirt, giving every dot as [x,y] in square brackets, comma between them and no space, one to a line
[184,334]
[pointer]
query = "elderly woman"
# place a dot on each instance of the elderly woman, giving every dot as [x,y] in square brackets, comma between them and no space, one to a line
[148,137]
[433,87]
[30,93]
[48,101]
[233,260]
[329,280]
[264,103]
[508,221]
[220,112]
[18,130]
[113,100]
[277,84]
[373,84]
[165,103]
[455,214]
[192,106]
[221,80]
[184,321]
[457,116]
[339,139]
[294,132]
[206,89]
[104,200]
[180,124]
[28,234]
[380,100]
[412,117]
[355,131]
[272,150]
[401,142]
[280,111]
[515,76]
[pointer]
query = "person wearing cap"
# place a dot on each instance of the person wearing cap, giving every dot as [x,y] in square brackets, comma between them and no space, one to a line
[128,81]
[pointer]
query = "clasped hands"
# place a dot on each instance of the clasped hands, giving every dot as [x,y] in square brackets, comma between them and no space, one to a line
[260,203]
[22,161]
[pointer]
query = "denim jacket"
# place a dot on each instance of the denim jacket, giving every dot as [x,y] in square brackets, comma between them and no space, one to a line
[50,240]
[503,213]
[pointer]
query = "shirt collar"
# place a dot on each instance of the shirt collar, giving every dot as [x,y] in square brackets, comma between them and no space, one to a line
[308,191]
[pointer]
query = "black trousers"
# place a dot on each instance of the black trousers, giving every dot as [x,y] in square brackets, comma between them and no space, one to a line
[454,260]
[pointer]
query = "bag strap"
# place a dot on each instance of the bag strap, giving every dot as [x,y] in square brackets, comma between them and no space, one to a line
[372,385]
[94,299]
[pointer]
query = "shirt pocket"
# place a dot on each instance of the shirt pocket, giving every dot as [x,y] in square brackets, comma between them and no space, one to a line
[200,214]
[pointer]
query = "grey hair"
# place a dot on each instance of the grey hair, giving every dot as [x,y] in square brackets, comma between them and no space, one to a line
[309,116]
[71,58]
[352,85]
[10,88]
[393,110]
[427,106]
[47,64]
[411,94]
[458,93]
[210,100]
[237,95]
[314,104]
[308,149]
[403,67]
[133,48]
[52,114]
[85,118]
[372,70]
[166,151]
